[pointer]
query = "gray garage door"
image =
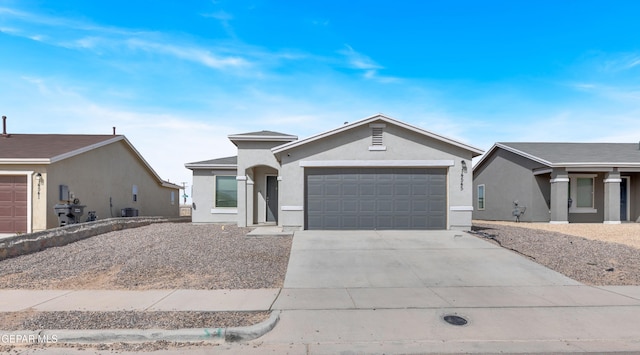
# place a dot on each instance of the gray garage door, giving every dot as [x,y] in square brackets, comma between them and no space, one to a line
[380,198]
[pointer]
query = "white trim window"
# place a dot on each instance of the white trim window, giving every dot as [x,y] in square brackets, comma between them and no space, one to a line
[481,197]
[581,192]
[226,192]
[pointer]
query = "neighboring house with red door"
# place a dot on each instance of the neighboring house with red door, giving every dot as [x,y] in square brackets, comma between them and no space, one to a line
[104,172]
[376,173]
[558,182]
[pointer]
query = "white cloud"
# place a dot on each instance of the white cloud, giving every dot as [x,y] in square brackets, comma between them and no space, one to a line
[357,60]
[225,21]
[80,35]
[194,54]
[621,62]
[367,65]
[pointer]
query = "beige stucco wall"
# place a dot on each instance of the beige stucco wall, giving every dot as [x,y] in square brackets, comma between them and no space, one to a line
[94,176]
[108,174]
[353,144]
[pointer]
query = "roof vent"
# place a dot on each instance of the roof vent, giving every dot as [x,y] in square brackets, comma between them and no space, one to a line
[377,142]
[4,127]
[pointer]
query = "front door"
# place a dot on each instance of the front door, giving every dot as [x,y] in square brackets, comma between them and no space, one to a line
[623,198]
[272,198]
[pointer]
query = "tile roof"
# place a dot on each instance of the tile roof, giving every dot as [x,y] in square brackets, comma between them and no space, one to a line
[579,153]
[47,146]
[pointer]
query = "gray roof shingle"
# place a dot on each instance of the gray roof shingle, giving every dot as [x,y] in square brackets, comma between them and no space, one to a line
[263,134]
[560,153]
[219,161]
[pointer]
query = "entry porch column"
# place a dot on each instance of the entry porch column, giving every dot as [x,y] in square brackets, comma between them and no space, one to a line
[612,198]
[559,196]
[241,200]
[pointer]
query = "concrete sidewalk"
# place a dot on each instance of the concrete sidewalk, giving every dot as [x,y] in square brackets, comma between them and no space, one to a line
[152,300]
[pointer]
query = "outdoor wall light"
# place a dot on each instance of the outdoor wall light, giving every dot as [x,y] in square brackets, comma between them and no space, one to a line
[39,178]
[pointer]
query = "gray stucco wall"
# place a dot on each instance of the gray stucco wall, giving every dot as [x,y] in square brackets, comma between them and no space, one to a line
[203,197]
[353,145]
[634,196]
[255,161]
[507,178]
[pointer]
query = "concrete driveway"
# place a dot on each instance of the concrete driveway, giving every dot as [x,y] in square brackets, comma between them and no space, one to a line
[384,259]
[388,291]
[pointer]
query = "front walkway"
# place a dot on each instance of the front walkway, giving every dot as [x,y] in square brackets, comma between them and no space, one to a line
[152,300]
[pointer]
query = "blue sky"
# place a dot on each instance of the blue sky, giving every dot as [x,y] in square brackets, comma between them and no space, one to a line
[177,77]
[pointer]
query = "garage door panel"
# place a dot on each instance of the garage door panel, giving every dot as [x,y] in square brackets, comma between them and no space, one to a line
[401,206]
[332,190]
[21,211]
[350,189]
[401,222]
[381,198]
[384,207]
[384,222]
[402,190]
[367,205]
[332,205]
[367,189]
[6,196]
[6,211]
[365,220]
[315,205]
[13,204]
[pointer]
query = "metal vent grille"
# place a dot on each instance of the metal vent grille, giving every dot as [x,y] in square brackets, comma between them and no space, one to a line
[376,136]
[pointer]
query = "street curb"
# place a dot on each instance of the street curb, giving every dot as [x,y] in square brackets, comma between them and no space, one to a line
[230,334]
[237,334]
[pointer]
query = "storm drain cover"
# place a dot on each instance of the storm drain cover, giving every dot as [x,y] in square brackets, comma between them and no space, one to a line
[455,320]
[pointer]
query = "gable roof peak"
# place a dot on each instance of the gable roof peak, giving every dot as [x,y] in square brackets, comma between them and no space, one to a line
[371,119]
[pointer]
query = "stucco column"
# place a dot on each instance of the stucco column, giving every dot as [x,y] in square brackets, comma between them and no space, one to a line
[242,198]
[612,198]
[559,196]
[249,205]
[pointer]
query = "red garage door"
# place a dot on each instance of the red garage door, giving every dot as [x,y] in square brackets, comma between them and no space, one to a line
[13,204]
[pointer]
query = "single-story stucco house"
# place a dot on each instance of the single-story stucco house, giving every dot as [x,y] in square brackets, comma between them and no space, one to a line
[558,182]
[104,172]
[376,173]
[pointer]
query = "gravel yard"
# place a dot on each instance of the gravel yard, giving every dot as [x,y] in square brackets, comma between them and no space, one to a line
[594,254]
[127,320]
[157,256]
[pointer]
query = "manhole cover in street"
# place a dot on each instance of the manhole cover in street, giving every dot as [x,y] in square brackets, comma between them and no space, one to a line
[455,320]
